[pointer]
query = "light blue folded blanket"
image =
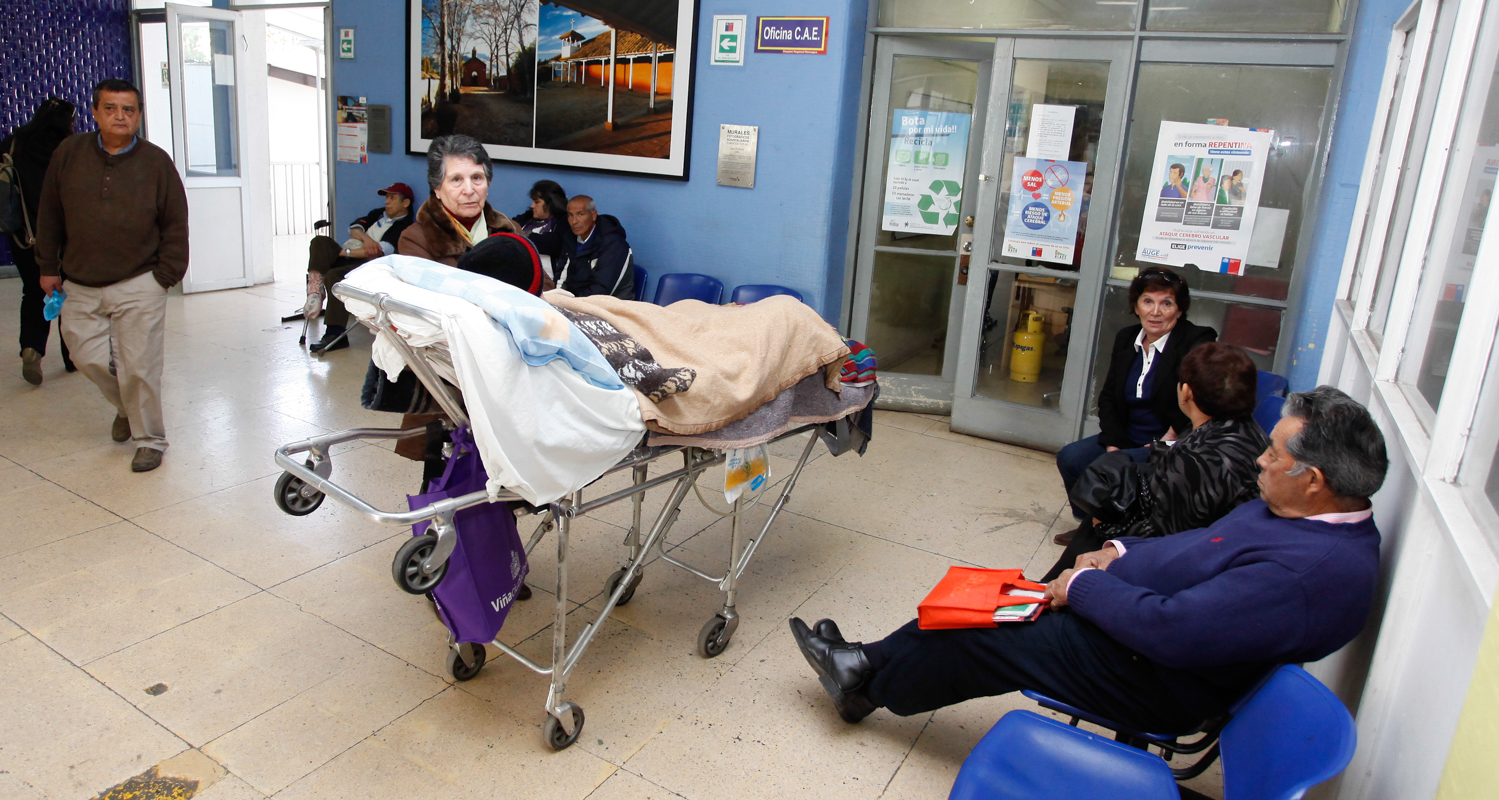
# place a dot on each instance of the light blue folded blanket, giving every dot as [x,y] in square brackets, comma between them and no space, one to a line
[540,332]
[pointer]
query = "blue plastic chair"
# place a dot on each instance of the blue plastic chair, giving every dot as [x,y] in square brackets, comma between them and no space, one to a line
[641,279]
[1268,412]
[688,286]
[1288,736]
[753,292]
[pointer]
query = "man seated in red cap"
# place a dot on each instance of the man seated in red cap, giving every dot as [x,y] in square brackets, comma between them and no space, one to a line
[371,236]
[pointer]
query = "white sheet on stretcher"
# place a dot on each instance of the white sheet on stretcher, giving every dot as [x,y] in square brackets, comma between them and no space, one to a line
[542,432]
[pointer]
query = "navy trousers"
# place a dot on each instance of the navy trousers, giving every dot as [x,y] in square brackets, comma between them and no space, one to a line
[35,328]
[1061,655]
[1073,461]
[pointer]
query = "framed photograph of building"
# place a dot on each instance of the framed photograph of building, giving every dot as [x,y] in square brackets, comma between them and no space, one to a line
[588,84]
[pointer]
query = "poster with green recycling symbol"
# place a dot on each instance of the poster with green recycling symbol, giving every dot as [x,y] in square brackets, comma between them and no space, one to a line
[924,177]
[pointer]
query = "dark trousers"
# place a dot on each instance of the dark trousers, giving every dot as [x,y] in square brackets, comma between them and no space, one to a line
[35,329]
[323,256]
[1073,461]
[1085,539]
[1061,655]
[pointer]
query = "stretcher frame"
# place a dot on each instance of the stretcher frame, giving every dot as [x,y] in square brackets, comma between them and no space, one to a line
[307,480]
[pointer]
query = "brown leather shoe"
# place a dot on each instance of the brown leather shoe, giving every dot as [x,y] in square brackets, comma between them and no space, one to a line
[31,366]
[146,459]
[121,429]
[1064,539]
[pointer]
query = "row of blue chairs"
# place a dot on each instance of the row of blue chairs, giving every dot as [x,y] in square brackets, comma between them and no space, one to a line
[692,286]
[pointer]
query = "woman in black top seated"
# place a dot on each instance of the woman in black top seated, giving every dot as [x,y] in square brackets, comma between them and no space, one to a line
[1188,483]
[1138,402]
[546,220]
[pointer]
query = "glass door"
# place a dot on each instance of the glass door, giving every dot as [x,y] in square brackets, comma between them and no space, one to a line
[1049,165]
[926,129]
[204,75]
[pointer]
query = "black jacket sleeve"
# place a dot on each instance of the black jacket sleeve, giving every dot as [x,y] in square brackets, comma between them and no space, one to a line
[1113,420]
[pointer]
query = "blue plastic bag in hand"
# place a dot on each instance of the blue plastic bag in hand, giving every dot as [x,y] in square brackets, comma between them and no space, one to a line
[53,306]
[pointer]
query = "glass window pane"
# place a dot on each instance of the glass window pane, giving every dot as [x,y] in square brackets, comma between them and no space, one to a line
[1479,476]
[1017,364]
[1298,16]
[1252,327]
[1447,270]
[208,97]
[1367,239]
[1080,84]
[927,84]
[909,300]
[1287,100]
[1096,15]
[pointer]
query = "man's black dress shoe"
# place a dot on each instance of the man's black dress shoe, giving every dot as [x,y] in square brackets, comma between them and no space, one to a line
[333,339]
[828,629]
[841,668]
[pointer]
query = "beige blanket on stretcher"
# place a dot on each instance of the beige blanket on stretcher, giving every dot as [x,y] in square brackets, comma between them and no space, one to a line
[744,355]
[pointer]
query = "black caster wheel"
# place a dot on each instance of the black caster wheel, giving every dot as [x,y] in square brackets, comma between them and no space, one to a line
[712,640]
[554,734]
[407,566]
[461,671]
[613,583]
[289,497]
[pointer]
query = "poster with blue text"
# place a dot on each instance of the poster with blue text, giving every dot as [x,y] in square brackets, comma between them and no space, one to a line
[924,179]
[1045,203]
[1203,196]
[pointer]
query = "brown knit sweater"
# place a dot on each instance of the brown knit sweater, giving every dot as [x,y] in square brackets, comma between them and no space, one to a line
[107,218]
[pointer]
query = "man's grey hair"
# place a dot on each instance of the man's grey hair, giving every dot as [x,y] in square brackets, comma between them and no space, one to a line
[1338,437]
[457,146]
[587,202]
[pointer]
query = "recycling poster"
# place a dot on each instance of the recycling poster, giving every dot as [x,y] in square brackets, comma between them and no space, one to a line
[924,179]
[1203,196]
[1045,201]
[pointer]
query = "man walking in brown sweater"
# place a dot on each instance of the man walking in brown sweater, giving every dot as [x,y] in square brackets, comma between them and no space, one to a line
[113,218]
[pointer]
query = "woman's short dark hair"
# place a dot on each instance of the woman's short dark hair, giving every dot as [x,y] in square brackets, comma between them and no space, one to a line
[1160,279]
[550,192]
[459,146]
[1223,380]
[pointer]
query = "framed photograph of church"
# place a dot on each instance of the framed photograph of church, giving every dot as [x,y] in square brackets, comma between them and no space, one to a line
[585,84]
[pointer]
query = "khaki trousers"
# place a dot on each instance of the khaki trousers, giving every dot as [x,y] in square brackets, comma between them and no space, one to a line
[132,314]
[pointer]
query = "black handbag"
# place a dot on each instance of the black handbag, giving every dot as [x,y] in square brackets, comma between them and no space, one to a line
[1108,487]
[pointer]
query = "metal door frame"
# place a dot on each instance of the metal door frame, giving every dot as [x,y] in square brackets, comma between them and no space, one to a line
[929,392]
[1045,428]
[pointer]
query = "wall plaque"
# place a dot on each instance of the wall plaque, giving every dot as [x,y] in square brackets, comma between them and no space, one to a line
[737,145]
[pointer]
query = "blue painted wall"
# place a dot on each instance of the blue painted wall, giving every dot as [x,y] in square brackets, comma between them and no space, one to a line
[1350,139]
[791,229]
[58,48]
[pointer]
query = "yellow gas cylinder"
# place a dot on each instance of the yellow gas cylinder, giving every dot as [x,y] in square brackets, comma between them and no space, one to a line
[1025,354]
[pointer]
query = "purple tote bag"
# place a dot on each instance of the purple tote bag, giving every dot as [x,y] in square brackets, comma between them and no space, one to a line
[488,564]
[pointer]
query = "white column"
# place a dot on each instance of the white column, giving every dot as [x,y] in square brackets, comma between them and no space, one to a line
[613,38]
[654,47]
[630,73]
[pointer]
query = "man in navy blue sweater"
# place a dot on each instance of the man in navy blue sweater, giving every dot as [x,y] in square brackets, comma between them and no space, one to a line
[1162,634]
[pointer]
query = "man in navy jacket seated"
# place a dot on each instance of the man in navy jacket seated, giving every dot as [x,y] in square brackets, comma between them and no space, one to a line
[1162,634]
[595,258]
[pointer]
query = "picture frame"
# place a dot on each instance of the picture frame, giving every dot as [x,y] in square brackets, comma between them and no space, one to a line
[530,80]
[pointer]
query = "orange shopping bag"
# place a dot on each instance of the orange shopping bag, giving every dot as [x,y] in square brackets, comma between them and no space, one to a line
[966,597]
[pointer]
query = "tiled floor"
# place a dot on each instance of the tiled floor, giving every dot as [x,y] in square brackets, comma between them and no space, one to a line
[283,662]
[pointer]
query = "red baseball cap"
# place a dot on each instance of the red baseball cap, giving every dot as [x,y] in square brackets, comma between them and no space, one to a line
[398,188]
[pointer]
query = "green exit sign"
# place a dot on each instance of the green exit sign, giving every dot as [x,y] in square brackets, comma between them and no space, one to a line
[346,43]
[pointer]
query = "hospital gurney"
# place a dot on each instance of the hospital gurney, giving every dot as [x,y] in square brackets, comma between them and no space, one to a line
[421,562]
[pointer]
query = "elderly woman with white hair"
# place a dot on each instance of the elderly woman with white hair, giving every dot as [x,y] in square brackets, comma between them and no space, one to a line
[457,216]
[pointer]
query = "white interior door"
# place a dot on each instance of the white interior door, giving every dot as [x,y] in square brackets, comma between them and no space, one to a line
[207,51]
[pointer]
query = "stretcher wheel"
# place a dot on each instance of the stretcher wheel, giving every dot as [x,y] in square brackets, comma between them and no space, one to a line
[613,583]
[407,566]
[289,497]
[712,640]
[552,731]
[461,671]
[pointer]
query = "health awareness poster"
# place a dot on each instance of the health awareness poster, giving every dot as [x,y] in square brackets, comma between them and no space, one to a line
[1045,201]
[1204,193]
[924,178]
